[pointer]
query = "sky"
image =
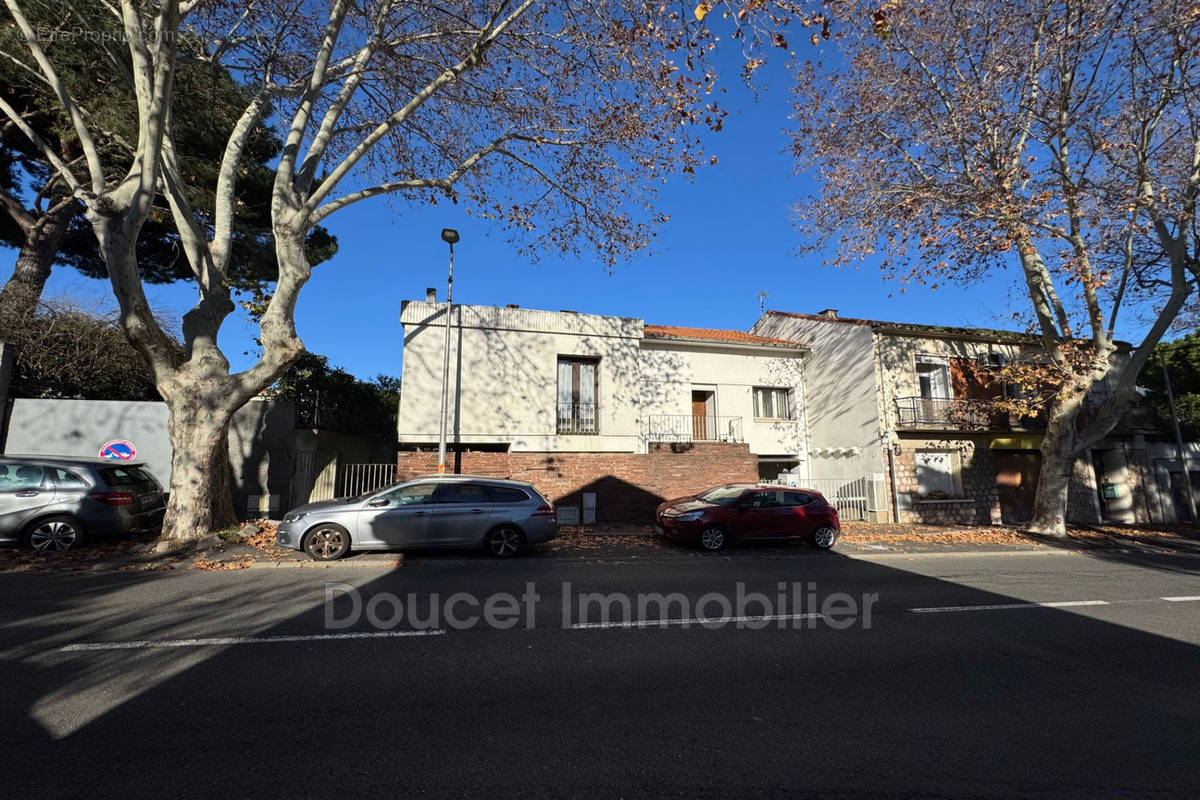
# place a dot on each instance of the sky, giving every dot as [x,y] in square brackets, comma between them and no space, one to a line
[730,236]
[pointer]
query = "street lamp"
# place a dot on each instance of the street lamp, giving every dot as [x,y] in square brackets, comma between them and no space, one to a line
[450,237]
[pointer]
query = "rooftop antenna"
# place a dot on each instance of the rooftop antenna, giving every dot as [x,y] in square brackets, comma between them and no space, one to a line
[762,302]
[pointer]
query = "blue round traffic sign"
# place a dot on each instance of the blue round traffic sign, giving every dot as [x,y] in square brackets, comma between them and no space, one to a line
[118,449]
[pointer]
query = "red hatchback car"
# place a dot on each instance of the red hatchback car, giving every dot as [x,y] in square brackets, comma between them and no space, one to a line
[749,512]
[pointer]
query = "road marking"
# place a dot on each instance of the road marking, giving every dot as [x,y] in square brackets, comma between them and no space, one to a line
[663,623]
[215,641]
[1006,606]
[1189,598]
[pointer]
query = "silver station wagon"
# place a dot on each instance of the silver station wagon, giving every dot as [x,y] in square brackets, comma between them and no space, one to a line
[452,511]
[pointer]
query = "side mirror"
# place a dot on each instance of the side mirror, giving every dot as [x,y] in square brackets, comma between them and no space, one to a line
[377,502]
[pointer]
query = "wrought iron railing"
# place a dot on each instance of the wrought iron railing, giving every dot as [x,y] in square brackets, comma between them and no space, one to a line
[578,418]
[693,428]
[956,414]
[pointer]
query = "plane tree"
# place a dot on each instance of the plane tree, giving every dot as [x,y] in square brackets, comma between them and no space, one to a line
[957,140]
[554,119]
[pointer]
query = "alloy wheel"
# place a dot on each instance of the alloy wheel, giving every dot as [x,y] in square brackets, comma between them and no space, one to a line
[326,544]
[504,542]
[712,538]
[824,537]
[53,535]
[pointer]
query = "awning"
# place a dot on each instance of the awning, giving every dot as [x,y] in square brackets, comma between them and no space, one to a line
[1031,441]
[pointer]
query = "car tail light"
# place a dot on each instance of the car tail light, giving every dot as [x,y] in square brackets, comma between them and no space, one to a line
[544,511]
[113,498]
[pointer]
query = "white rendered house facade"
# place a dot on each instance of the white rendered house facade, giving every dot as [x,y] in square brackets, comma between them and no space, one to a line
[524,380]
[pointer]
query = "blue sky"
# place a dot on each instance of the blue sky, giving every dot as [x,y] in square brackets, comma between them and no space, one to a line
[730,236]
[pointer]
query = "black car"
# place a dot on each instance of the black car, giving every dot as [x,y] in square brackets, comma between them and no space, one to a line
[53,502]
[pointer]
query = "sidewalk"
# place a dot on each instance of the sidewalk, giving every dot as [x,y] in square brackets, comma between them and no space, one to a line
[253,547]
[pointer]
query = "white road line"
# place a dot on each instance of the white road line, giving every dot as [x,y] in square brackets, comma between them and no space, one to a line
[1006,606]
[230,640]
[663,623]
[1187,598]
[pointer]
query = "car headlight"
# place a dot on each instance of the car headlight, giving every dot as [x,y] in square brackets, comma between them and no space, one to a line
[690,516]
[295,517]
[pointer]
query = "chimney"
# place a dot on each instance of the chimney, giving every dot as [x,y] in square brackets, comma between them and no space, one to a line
[431,295]
[828,313]
[512,305]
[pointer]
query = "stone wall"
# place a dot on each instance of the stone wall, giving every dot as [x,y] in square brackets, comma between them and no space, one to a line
[628,486]
[979,502]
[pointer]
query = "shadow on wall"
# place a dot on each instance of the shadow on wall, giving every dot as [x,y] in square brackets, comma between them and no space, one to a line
[621,500]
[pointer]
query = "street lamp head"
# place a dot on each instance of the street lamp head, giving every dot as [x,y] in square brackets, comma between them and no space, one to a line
[449,236]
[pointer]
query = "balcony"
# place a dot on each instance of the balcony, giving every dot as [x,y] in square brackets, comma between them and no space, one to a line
[692,428]
[959,414]
[578,418]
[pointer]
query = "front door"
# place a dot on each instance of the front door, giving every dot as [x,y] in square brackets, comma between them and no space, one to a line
[1017,474]
[766,516]
[24,491]
[399,518]
[703,423]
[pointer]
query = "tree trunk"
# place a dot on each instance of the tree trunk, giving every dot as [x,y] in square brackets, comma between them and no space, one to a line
[199,490]
[1058,463]
[21,294]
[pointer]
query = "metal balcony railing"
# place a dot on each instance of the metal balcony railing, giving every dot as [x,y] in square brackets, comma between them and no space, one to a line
[578,418]
[958,414]
[693,428]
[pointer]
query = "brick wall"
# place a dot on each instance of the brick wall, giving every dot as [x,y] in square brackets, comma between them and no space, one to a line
[628,486]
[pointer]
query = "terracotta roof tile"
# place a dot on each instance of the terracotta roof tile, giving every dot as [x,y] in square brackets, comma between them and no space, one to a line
[708,334]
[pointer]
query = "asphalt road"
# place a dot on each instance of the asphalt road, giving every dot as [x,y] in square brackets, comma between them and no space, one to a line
[1007,675]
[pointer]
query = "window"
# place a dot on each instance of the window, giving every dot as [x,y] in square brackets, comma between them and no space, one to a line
[470,493]
[771,403]
[68,480]
[796,499]
[935,473]
[20,476]
[416,494]
[768,499]
[504,494]
[933,378]
[578,386]
[126,476]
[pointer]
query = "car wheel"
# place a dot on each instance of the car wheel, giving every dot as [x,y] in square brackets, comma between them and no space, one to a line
[824,537]
[327,542]
[713,537]
[503,542]
[53,534]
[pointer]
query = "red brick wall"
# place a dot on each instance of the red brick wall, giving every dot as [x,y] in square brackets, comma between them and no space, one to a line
[628,486]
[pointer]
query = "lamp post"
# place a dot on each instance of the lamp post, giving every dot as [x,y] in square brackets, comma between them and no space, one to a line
[450,237]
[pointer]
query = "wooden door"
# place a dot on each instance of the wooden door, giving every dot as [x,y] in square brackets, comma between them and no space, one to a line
[1017,474]
[700,416]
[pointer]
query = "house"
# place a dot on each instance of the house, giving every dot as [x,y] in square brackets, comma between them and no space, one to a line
[600,411]
[917,404]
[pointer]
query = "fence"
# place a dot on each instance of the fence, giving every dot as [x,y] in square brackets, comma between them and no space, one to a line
[693,428]
[850,495]
[356,479]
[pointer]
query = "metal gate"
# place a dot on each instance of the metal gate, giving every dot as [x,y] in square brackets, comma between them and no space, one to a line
[356,479]
[849,495]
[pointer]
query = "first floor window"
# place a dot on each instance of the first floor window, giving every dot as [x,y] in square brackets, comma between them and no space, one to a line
[935,472]
[771,403]
[933,378]
[578,385]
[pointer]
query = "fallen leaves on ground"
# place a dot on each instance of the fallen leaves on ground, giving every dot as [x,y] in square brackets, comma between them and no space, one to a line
[207,565]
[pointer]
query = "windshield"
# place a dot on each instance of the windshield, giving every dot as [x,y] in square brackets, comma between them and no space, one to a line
[722,494]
